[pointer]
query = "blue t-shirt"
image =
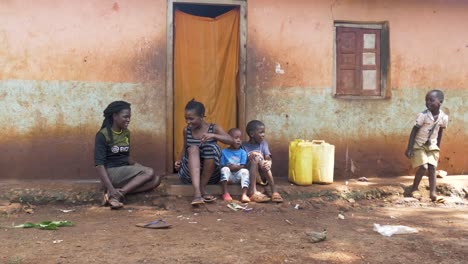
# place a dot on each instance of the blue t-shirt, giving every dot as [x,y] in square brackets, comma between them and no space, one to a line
[233,156]
[261,148]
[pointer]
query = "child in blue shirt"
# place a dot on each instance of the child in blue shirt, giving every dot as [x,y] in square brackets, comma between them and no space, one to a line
[233,161]
[259,163]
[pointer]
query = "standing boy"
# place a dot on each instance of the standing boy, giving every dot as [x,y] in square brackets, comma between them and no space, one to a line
[424,143]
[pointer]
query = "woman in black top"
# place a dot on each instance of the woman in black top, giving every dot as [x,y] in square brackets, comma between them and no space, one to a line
[118,172]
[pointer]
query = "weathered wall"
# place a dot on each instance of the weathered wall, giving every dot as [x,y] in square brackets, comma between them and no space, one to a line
[62,62]
[428,51]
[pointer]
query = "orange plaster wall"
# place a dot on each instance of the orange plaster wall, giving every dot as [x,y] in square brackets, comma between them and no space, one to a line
[109,41]
[428,50]
[62,63]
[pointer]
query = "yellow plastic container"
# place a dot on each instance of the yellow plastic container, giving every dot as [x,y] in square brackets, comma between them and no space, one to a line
[323,162]
[300,162]
[292,157]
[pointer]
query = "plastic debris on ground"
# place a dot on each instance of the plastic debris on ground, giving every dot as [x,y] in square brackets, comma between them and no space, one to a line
[390,230]
[46,225]
[68,211]
[363,179]
[236,207]
[340,216]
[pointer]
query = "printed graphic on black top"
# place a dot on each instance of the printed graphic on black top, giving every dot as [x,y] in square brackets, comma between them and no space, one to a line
[114,155]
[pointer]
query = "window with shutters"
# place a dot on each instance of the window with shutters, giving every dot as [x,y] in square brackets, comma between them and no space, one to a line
[361,60]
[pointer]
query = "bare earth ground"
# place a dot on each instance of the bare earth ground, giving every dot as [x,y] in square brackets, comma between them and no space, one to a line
[213,233]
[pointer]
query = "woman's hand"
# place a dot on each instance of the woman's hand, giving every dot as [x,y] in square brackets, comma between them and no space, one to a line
[177,165]
[115,193]
[207,136]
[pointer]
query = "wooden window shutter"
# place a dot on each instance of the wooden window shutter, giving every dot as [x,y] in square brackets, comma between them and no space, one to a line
[358,61]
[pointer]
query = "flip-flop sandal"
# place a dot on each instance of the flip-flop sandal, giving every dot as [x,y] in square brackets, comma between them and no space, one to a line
[197,201]
[158,224]
[114,203]
[227,197]
[276,197]
[259,198]
[208,198]
[245,200]
[438,199]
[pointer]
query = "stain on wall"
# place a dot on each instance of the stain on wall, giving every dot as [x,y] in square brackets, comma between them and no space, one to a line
[427,52]
[62,64]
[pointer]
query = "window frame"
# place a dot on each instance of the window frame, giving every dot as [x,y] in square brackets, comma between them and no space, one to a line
[384,58]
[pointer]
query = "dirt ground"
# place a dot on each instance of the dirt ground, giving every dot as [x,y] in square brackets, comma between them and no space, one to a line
[269,233]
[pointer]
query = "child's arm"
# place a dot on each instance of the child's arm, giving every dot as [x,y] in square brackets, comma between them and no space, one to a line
[412,137]
[235,167]
[439,136]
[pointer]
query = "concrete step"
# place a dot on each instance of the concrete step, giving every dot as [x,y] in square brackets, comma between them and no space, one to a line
[81,192]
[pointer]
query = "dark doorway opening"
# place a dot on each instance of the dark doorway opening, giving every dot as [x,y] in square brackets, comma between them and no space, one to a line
[203,10]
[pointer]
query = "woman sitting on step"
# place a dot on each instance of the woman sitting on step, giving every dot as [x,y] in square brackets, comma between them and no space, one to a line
[118,172]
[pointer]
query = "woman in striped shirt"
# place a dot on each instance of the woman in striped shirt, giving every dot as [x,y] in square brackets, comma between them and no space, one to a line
[199,163]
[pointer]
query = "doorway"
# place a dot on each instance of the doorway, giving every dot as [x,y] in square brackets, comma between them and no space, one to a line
[206,61]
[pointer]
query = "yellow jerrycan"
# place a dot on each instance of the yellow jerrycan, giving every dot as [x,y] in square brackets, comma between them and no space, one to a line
[292,157]
[323,162]
[300,163]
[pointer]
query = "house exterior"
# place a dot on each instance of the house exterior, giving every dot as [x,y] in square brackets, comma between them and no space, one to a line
[64,61]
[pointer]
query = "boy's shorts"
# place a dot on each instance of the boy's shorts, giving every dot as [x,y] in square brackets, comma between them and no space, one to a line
[120,176]
[241,176]
[423,155]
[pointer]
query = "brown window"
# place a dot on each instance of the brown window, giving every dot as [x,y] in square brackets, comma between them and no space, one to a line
[361,60]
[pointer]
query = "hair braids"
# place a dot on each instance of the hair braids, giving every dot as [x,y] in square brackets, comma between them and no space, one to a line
[113,108]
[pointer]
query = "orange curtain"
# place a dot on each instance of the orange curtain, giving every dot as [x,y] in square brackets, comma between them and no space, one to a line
[206,63]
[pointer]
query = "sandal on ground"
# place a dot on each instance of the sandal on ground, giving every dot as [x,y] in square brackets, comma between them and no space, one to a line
[227,197]
[208,198]
[416,195]
[158,224]
[438,199]
[197,201]
[114,203]
[245,200]
[259,198]
[276,197]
